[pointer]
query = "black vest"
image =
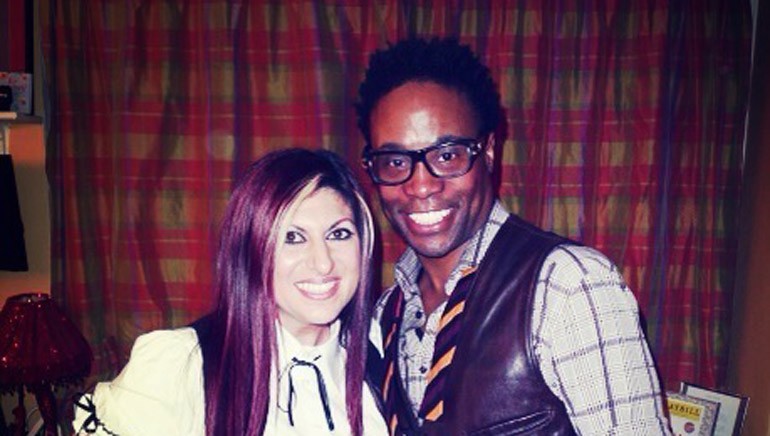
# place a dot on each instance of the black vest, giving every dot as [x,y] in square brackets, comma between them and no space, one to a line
[494,385]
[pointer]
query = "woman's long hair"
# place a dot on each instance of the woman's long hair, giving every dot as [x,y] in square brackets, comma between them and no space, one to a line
[240,344]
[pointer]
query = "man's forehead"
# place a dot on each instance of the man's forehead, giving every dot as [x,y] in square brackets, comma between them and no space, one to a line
[416,115]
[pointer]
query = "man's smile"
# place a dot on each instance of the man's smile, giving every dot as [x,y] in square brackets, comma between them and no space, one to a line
[429,218]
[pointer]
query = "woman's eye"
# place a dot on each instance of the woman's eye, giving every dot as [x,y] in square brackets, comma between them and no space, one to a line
[293,237]
[340,234]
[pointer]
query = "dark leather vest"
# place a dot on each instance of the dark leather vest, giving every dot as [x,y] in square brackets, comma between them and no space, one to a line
[494,385]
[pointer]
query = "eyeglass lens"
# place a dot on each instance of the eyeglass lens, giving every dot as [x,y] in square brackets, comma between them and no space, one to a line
[446,161]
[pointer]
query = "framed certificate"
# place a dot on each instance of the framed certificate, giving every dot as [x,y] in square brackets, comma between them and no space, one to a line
[732,408]
[691,416]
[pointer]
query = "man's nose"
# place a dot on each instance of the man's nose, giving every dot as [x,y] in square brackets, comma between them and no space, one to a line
[422,184]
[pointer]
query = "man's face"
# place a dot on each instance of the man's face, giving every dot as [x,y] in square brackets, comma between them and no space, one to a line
[435,216]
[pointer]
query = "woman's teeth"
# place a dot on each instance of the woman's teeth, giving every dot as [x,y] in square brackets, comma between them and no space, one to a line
[316,288]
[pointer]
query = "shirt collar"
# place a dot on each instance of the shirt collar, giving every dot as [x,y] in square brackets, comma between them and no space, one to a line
[319,373]
[326,355]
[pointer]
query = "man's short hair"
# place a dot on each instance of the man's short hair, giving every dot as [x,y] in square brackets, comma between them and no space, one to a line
[443,61]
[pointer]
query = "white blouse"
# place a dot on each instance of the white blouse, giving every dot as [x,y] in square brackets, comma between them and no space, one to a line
[160,391]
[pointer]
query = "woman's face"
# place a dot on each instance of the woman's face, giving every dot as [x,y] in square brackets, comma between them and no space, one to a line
[317,265]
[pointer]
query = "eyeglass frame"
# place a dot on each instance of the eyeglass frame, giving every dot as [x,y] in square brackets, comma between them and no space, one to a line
[474,145]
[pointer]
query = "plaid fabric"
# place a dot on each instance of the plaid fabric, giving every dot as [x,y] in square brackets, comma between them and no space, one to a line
[624,130]
[591,350]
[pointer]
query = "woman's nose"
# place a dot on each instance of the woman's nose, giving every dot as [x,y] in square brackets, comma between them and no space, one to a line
[320,257]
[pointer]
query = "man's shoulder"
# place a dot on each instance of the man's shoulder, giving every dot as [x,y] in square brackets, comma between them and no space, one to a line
[515,223]
[565,250]
[578,258]
[575,271]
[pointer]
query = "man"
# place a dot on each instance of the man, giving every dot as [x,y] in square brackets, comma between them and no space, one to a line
[493,326]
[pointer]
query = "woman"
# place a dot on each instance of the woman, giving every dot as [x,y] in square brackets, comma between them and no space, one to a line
[284,350]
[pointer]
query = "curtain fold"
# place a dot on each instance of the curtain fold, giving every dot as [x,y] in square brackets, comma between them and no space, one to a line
[624,130]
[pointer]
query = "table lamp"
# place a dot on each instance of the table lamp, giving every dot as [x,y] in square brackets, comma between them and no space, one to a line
[40,347]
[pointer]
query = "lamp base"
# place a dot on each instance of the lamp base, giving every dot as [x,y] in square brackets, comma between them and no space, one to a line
[20,415]
[46,403]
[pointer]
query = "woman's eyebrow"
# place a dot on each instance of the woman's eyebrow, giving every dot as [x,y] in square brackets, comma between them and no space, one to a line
[342,220]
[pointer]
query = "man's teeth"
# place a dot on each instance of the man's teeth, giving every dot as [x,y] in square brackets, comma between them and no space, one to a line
[315,288]
[429,218]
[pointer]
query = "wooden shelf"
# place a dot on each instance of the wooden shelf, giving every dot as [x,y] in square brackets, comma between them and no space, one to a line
[7,119]
[17,118]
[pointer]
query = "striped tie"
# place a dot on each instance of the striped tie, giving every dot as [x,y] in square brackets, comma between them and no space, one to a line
[432,406]
[392,313]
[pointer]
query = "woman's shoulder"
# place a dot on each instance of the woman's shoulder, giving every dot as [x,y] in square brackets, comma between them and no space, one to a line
[162,355]
[166,342]
[159,391]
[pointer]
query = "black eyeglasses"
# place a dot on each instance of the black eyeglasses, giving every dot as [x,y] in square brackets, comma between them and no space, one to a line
[446,159]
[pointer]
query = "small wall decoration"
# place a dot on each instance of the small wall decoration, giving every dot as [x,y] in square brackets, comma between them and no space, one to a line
[21,91]
[690,416]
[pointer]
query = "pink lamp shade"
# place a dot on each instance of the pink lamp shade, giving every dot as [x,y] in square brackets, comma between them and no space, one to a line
[38,343]
[40,347]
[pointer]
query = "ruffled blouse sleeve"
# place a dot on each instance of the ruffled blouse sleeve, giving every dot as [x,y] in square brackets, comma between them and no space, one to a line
[160,391]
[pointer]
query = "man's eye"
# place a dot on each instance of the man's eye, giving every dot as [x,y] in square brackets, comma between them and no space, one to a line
[293,237]
[340,234]
[396,162]
[447,156]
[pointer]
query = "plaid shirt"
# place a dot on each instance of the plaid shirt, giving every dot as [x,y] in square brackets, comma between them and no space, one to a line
[585,330]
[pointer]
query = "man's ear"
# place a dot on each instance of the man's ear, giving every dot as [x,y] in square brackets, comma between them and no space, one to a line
[489,153]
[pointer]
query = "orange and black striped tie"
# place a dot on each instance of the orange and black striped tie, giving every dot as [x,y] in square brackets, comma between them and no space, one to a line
[432,406]
[390,328]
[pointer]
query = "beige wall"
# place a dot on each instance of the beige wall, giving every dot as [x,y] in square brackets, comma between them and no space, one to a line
[751,359]
[750,371]
[26,148]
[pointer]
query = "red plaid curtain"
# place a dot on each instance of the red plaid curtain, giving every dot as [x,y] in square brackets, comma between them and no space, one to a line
[624,130]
